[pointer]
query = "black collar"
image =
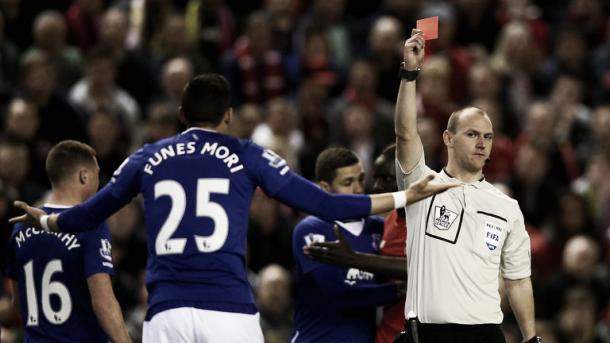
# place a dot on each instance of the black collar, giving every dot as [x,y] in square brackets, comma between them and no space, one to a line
[451,176]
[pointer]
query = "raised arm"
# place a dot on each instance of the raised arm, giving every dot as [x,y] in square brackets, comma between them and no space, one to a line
[106,308]
[408,143]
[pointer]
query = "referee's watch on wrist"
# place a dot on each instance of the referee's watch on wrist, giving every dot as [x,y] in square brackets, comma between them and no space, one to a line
[407,75]
[535,339]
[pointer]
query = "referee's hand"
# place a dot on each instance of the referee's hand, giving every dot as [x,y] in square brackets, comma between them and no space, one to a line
[423,189]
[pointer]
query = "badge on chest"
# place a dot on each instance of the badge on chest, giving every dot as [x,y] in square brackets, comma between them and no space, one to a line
[443,217]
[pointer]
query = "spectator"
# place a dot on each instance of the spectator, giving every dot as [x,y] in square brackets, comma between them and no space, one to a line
[384,43]
[9,67]
[279,131]
[82,20]
[210,29]
[98,89]
[273,299]
[50,35]
[254,68]
[58,119]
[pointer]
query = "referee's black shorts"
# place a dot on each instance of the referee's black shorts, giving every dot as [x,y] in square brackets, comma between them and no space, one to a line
[457,333]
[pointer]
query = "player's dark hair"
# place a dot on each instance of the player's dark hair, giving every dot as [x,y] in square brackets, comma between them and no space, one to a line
[206,99]
[332,159]
[65,157]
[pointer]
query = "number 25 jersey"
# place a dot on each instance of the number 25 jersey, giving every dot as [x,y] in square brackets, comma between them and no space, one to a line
[197,189]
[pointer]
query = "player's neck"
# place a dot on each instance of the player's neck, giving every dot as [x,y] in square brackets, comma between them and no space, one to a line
[220,128]
[461,174]
[65,197]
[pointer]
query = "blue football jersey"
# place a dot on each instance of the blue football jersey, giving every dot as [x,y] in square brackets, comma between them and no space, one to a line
[52,270]
[197,188]
[337,304]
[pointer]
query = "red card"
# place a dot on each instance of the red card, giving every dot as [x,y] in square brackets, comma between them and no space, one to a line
[429,26]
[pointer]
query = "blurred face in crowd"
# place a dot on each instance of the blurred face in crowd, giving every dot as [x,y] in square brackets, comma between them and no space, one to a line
[50,32]
[357,123]
[483,82]
[428,132]
[434,80]
[104,131]
[316,48]
[38,81]
[580,257]
[571,49]
[572,214]
[14,164]
[531,165]
[273,292]
[22,120]
[362,77]
[516,44]
[249,116]
[113,28]
[280,117]
[100,74]
[176,74]
[258,32]
[175,35]
[470,144]
[386,36]
[539,123]
[566,91]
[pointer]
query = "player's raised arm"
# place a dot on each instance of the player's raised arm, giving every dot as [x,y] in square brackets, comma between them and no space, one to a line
[408,143]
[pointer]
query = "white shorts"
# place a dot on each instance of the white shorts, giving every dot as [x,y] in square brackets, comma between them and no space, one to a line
[193,325]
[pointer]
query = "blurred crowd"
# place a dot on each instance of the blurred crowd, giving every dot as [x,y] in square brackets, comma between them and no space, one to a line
[306,74]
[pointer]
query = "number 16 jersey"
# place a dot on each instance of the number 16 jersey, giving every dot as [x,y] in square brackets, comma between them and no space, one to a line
[51,270]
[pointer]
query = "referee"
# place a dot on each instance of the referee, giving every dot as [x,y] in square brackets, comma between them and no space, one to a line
[459,242]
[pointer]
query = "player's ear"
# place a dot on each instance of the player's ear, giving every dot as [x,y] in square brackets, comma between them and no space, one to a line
[182,116]
[228,115]
[448,138]
[325,186]
[83,176]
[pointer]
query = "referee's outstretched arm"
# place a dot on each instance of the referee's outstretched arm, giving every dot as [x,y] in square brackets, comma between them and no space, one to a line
[409,147]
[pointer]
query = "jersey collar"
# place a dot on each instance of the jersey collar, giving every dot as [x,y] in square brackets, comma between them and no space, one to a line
[481,183]
[198,129]
[354,227]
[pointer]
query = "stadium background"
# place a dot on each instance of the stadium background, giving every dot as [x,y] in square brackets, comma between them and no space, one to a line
[308,74]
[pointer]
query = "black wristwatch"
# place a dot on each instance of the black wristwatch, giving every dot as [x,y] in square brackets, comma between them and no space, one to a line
[407,75]
[535,339]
